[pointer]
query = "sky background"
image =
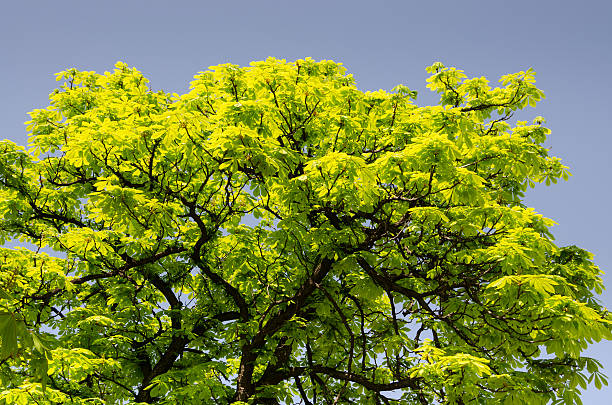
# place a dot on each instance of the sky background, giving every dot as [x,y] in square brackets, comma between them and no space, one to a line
[381,43]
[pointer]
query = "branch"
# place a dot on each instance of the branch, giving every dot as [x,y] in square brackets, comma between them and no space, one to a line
[166,361]
[365,382]
[214,277]
[297,301]
[249,353]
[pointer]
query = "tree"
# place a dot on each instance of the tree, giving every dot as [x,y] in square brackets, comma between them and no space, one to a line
[276,235]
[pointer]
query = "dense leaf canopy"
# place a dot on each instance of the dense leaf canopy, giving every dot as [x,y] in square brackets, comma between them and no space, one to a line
[276,235]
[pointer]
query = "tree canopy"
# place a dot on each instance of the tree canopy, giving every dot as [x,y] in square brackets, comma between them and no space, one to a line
[276,235]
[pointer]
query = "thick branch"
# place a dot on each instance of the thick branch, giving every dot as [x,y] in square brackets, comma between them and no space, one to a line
[362,380]
[245,387]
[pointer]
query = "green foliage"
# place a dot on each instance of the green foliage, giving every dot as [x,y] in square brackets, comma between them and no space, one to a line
[277,235]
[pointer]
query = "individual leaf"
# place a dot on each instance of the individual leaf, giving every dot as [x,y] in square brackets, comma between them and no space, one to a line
[8,332]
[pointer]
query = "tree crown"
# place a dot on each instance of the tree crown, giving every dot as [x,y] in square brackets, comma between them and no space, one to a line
[277,235]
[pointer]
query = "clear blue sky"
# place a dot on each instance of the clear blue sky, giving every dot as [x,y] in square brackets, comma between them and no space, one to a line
[382,43]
